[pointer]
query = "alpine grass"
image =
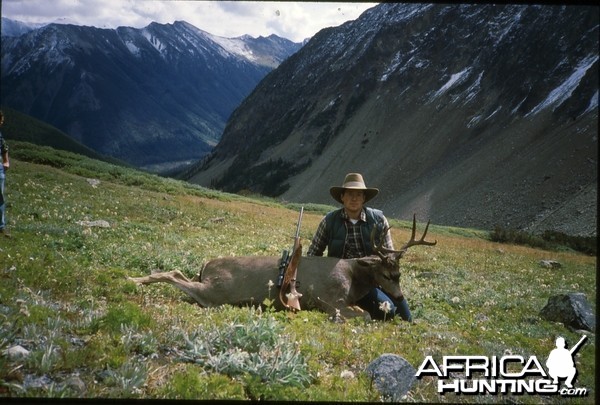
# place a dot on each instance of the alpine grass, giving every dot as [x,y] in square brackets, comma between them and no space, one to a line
[90,333]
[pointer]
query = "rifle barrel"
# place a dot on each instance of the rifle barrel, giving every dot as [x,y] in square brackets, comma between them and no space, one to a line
[299,222]
[576,347]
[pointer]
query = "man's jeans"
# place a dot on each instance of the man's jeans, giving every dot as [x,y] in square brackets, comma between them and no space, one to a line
[2,203]
[372,301]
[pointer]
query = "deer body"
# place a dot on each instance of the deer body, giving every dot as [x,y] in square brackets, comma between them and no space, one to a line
[328,284]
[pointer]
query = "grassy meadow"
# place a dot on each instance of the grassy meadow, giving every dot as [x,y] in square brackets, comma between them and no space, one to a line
[91,333]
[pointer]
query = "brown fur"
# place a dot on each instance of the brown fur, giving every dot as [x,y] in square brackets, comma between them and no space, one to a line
[327,284]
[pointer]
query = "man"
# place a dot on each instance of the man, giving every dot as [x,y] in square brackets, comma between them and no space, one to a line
[346,234]
[560,363]
[3,169]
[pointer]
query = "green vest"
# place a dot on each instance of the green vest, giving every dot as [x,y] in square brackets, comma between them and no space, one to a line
[337,232]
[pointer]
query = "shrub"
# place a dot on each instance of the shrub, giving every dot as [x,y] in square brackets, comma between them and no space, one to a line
[549,240]
[584,244]
[124,314]
[255,346]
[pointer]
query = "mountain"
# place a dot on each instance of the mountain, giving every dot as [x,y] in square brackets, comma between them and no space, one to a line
[12,28]
[152,97]
[23,128]
[471,115]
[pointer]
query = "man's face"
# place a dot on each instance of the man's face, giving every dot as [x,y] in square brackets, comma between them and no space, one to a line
[353,200]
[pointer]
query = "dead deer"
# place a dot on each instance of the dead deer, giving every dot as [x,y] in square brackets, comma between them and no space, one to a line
[328,284]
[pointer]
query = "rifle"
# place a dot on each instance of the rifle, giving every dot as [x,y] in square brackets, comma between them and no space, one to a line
[576,347]
[291,299]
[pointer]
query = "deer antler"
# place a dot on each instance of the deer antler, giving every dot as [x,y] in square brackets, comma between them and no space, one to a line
[381,250]
[422,241]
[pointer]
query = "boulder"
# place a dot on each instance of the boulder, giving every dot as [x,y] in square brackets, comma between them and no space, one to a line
[550,264]
[392,375]
[16,352]
[572,309]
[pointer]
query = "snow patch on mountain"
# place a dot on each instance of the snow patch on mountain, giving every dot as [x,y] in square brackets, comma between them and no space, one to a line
[474,89]
[563,92]
[504,25]
[455,79]
[154,41]
[235,46]
[593,104]
[396,61]
[132,48]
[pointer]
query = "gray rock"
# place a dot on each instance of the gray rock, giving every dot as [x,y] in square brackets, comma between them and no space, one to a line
[550,264]
[16,352]
[93,182]
[99,223]
[392,375]
[572,309]
[76,384]
[33,381]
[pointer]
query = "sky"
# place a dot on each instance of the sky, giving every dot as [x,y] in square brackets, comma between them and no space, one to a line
[295,21]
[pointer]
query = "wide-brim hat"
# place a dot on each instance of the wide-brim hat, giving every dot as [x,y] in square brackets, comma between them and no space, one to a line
[353,181]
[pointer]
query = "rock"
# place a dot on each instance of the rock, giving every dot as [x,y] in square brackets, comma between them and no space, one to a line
[392,375]
[93,182]
[572,309]
[76,384]
[36,382]
[100,223]
[550,264]
[16,352]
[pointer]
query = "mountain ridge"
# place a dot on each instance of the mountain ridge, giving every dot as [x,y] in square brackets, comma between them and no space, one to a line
[473,115]
[147,96]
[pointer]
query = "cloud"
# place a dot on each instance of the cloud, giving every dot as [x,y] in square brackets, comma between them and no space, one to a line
[293,20]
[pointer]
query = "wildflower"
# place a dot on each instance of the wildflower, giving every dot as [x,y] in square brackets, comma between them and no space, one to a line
[338,316]
[385,307]
[347,374]
[270,284]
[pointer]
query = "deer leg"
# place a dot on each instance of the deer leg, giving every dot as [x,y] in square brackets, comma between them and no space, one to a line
[352,311]
[175,278]
[170,277]
[340,311]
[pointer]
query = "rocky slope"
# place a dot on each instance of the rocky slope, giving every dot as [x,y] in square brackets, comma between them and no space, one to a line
[471,115]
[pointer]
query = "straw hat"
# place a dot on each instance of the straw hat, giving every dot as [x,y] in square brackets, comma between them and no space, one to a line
[353,181]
